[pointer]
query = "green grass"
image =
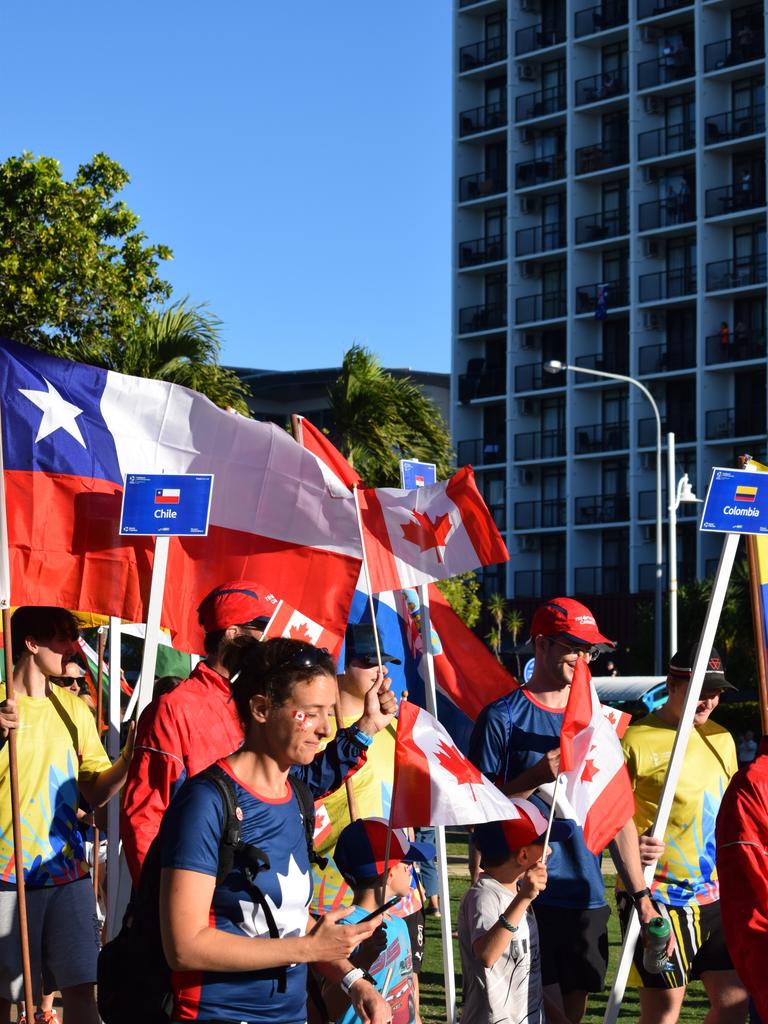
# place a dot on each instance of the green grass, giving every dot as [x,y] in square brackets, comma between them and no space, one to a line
[432,988]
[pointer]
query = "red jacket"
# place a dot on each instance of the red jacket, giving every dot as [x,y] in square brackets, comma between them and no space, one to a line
[185,731]
[742,868]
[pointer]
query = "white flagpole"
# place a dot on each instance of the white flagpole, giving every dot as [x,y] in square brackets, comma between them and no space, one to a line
[149,654]
[550,819]
[430,689]
[113,750]
[711,620]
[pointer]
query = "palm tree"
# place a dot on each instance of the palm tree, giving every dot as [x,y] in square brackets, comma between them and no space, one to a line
[380,419]
[497,606]
[514,623]
[179,344]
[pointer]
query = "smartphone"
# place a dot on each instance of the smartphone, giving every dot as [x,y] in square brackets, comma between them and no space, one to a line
[380,910]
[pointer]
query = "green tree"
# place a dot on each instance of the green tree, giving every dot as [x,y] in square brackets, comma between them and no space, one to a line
[380,419]
[461,593]
[496,606]
[514,622]
[74,266]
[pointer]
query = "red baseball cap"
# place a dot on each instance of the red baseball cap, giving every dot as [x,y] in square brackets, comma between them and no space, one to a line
[562,616]
[361,848]
[236,603]
[498,840]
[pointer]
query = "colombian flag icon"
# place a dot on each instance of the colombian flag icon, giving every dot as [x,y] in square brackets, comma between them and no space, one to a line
[744,493]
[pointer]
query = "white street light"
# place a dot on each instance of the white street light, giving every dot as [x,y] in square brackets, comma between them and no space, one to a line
[676,495]
[555,366]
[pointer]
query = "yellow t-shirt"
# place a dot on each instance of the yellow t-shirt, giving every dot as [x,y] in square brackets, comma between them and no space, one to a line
[57,744]
[687,870]
[372,792]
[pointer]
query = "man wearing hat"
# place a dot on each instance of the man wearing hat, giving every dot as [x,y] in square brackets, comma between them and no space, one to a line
[516,741]
[186,730]
[685,886]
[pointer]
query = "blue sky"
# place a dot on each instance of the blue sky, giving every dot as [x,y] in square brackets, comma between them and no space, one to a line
[295,156]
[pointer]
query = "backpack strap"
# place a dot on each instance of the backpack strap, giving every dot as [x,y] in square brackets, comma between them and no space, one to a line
[306,802]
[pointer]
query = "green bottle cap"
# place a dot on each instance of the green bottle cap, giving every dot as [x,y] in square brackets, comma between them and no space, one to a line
[658,928]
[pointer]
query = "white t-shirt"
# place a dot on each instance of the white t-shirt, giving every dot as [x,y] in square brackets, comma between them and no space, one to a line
[509,992]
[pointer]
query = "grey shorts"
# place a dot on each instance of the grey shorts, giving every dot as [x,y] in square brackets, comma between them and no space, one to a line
[63,938]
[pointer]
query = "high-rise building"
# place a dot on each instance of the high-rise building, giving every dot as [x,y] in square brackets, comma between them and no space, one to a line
[609,212]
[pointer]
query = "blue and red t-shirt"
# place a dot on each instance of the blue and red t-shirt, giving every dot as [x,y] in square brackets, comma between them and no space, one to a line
[191,834]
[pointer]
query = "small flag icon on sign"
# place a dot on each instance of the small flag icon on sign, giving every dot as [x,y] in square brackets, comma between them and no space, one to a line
[744,493]
[167,496]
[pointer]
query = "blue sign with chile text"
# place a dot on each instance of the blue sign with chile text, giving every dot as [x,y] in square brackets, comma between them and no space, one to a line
[164,505]
[417,474]
[736,502]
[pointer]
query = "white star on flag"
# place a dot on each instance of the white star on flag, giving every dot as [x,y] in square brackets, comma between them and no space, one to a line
[57,413]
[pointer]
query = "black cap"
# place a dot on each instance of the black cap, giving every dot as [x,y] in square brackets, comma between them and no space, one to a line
[681,668]
[361,645]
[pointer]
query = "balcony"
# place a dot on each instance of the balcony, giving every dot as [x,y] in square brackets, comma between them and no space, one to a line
[728,53]
[540,172]
[481,452]
[682,426]
[734,124]
[602,298]
[667,284]
[537,37]
[531,377]
[481,382]
[601,437]
[665,70]
[539,515]
[738,273]
[607,15]
[606,579]
[539,583]
[601,156]
[549,306]
[539,104]
[648,8]
[665,141]
[482,318]
[646,507]
[539,444]
[594,227]
[544,238]
[479,55]
[478,186]
[666,213]
[483,119]
[734,198]
[482,250]
[665,359]
[610,362]
[739,346]
[601,508]
[723,424]
[605,86]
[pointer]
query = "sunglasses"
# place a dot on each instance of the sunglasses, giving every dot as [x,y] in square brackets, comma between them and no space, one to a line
[590,653]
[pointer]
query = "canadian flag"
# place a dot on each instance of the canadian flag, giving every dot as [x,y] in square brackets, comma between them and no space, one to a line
[596,781]
[293,624]
[434,783]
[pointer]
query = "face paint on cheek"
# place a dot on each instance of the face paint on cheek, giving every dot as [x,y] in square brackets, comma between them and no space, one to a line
[303,721]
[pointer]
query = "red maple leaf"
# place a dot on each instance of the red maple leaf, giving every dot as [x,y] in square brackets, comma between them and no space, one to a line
[462,770]
[428,534]
[611,716]
[589,771]
[300,632]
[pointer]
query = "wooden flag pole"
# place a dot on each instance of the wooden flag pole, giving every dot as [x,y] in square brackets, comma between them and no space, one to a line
[99,712]
[18,850]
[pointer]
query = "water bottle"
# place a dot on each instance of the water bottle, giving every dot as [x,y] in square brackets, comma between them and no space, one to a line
[655,952]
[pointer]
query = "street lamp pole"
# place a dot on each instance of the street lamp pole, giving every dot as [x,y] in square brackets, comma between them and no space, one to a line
[677,492]
[555,366]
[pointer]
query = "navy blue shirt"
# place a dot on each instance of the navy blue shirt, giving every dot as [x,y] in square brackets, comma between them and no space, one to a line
[510,736]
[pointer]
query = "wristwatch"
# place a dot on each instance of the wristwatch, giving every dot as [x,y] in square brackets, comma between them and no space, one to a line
[356,974]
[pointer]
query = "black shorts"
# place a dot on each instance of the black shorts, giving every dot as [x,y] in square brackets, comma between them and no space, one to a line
[573,946]
[699,944]
[415,922]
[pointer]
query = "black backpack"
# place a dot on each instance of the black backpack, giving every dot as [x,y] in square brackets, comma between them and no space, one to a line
[133,977]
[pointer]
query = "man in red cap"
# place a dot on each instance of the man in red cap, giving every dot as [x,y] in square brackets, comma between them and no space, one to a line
[185,731]
[516,741]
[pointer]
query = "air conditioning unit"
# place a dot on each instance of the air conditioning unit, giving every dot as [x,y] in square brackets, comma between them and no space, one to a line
[529,341]
[530,204]
[529,269]
[527,136]
[530,6]
[649,533]
[649,33]
[527,72]
[648,460]
[652,104]
[650,174]
[523,477]
[528,542]
[526,406]
[651,248]
[653,321]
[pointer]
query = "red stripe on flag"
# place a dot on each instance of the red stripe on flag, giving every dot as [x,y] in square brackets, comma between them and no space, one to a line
[411,784]
[610,812]
[476,519]
[578,714]
[381,561]
[316,442]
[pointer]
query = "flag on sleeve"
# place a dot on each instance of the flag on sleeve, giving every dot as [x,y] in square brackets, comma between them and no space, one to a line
[429,533]
[597,784]
[293,624]
[72,432]
[434,783]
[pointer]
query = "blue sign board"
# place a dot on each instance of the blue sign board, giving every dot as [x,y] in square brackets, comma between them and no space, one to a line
[417,474]
[736,502]
[528,670]
[164,505]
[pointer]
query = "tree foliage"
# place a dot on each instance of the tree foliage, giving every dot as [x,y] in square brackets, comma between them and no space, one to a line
[461,593]
[380,419]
